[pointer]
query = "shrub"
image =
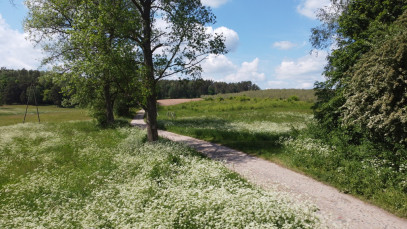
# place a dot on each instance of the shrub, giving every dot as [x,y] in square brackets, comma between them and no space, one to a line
[293,98]
[377,93]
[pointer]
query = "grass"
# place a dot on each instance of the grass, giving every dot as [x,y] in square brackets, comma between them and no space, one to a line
[14,114]
[249,124]
[76,175]
[302,94]
[283,131]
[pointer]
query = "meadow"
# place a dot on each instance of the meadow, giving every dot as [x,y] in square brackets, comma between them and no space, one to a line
[283,131]
[252,125]
[302,94]
[14,114]
[74,174]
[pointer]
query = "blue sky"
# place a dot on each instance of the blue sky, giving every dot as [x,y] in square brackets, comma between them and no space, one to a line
[267,39]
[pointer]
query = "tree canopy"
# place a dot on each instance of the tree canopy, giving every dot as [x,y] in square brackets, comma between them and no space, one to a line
[364,72]
[105,43]
[352,27]
[376,98]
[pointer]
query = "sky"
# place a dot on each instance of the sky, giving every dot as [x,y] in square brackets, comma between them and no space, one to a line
[268,42]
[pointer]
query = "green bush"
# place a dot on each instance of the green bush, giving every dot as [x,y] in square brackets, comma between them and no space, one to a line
[377,92]
[293,98]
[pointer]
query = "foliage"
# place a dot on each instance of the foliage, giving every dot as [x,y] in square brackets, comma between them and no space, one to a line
[177,45]
[353,27]
[74,175]
[87,37]
[15,87]
[196,88]
[377,94]
[114,44]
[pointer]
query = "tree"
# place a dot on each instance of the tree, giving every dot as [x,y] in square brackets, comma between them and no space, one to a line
[88,38]
[173,39]
[353,26]
[163,37]
[376,98]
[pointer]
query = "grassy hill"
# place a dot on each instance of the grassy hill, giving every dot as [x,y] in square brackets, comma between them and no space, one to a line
[302,94]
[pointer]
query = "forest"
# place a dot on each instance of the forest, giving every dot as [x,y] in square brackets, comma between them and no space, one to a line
[15,88]
[184,88]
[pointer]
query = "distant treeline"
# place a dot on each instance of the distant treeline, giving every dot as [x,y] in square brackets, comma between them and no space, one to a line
[185,88]
[15,87]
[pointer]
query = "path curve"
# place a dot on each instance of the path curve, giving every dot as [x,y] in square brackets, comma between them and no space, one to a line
[338,209]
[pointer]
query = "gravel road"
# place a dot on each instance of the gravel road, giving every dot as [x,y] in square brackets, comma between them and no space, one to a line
[339,210]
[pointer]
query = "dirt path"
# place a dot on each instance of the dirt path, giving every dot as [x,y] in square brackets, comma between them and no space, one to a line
[338,209]
[169,102]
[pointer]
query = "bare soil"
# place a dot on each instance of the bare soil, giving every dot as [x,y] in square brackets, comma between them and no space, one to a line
[170,102]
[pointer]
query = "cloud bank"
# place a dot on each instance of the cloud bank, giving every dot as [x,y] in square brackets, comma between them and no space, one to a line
[15,51]
[302,72]
[220,68]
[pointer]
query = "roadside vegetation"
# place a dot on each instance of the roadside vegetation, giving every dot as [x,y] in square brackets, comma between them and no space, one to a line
[77,175]
[285,132]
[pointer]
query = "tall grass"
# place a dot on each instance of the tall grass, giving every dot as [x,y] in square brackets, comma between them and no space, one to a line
[14,114]
[75,175]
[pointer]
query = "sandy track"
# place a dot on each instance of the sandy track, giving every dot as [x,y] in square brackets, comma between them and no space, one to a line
[338,209]
[170,102]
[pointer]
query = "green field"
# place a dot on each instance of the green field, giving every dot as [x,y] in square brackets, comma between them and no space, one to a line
[249,124]
[14,114]
[76,175]
[284,132]
[303,94]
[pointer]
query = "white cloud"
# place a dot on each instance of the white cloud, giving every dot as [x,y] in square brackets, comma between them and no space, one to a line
[214,3]
[220,68]
[231,37]
[218,64]
[247,71]
[300,73]
[309,8]
[15,51]
[284,45]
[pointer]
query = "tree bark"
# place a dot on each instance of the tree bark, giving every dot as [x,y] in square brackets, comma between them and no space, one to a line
[108,104]
[152,128]
[149,79]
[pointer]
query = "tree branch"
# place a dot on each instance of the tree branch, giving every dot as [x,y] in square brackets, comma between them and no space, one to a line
[138,6]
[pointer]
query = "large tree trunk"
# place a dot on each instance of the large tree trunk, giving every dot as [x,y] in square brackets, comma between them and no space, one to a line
[152,128]
[149,79]
[108,104]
